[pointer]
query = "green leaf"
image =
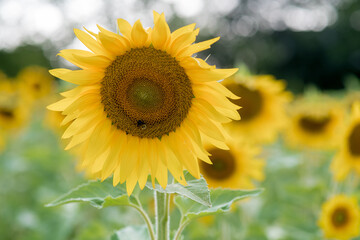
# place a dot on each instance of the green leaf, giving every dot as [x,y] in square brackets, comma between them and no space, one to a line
[196,189]
[98,194]
[221,200]
[131,233]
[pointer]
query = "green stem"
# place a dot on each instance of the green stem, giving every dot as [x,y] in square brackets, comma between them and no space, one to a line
[183,224]
[162,219]
[147,220]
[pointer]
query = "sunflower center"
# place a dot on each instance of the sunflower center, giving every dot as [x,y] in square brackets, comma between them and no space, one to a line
[340,217]
[251,101]
[354,141]
[314,125]
[146,93]
[6,113]
[223,165]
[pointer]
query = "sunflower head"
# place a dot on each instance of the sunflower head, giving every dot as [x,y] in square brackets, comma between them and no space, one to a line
[142,99]
[315,123]
[235,168]
[340,218]
[263,101]
[347,157]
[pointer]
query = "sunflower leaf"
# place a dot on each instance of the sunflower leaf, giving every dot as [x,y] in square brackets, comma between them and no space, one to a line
[221,200]
[98,194]
[131,232]
[196,189]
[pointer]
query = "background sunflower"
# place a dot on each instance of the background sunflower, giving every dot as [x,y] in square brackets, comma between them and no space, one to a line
[263,102]
[237,168]
[340,218]
[316,121]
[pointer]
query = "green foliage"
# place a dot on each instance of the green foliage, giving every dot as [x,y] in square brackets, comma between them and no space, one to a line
[130,233]
[196,189]
[221,200]
[98,194]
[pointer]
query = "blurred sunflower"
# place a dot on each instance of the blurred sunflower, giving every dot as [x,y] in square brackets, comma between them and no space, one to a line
[13,110]
[315,123]
[348,156]
[35,82]
[142,100]
[235,168]
[340,218]
[263,100]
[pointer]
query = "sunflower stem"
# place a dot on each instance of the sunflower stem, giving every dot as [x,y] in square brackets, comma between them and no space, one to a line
[162,219]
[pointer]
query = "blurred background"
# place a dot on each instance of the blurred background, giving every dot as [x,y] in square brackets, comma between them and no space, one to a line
[309,43]
[303,41]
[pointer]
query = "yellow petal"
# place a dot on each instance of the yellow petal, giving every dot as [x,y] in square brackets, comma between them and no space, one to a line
[82,102]
[205,107]
[208,127]
[61,105]
[207,75]
[216,143]
[198,47]
[80,77]
[99,139]
[131,182]
[186,42]
[125,28]
[90,42]
[113,45]
[222,90]
[80,125]
[156,16]
[116,177]
[182,30]
[99,161]
[68,54]
[177,145]
[93,62]
[129,155]
[173,163]
[162,175]
[80,138]
[161,33]
[113,159]
[179,43]
[138,34]
[80,90]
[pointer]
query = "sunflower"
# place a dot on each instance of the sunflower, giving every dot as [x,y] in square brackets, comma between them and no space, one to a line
[340,218]
[13,110]
[143,104]
[315,123]
[263,100]
[35,82]
[235,168]
[348,156]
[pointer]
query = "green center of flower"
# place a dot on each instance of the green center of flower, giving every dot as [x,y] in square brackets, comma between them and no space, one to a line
[314,125]
[251,101]
[354,141]
[146,93]
[340,217]
[223,165]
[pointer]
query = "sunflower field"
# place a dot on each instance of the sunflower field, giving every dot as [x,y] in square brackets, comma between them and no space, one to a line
[159,120]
